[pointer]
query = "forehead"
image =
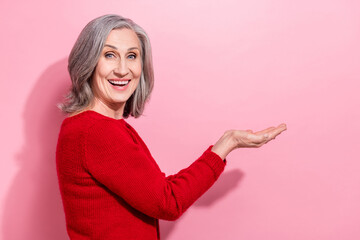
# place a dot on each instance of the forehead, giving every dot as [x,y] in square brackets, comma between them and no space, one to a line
[123,38]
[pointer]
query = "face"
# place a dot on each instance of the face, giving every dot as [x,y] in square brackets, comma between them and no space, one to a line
[118,70]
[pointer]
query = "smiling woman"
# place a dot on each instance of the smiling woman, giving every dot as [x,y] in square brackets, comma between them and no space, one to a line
[101,38]
[111,186]
[117,73]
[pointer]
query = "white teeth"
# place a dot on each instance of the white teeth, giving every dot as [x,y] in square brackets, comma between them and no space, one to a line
[119,82]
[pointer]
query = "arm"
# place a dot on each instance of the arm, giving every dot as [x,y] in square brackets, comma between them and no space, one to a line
[115,160]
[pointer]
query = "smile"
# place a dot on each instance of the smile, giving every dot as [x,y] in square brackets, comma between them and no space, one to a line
[119,83]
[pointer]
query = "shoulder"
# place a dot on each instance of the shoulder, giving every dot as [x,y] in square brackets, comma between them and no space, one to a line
[98,128]
[90,122]
[93,128]
[79,122]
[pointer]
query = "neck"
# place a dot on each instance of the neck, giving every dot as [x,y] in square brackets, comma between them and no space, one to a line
[115,111]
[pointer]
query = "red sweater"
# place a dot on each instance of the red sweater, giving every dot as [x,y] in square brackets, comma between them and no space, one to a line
[111,186]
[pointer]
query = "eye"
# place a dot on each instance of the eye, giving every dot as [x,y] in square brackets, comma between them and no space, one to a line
[109,55]
[132,56]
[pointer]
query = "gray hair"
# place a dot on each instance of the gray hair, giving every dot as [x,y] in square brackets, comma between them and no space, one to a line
[85,55]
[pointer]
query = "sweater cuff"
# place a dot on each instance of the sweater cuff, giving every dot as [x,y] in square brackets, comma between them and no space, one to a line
[214,161]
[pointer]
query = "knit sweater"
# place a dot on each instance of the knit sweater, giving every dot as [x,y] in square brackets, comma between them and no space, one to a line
[111,186]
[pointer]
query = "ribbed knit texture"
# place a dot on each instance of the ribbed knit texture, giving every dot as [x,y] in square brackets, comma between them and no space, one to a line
[111,186]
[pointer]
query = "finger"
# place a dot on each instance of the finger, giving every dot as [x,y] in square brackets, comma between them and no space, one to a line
[282,127]
[276,131]
[265,131]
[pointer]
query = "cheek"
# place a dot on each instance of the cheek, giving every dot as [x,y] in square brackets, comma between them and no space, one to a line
[99,78]
[103,71]
[104,68]
[136,69]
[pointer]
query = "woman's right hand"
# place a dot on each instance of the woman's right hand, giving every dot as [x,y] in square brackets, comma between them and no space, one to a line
[234,139]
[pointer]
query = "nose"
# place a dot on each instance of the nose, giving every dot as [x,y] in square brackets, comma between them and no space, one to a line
[122,68]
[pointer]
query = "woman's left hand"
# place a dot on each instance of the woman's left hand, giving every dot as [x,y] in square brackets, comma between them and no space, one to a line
[234,139]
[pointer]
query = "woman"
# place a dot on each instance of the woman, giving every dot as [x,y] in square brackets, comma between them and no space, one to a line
[111,186]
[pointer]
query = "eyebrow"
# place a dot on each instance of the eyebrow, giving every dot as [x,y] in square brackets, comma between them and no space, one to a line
[111,46]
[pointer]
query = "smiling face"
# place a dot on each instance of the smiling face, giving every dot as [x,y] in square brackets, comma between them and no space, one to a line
[117,72]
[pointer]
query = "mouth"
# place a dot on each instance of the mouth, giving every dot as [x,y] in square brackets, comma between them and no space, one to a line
[119,83]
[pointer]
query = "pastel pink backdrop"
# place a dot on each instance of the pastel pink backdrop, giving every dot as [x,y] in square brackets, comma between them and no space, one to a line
[219,65]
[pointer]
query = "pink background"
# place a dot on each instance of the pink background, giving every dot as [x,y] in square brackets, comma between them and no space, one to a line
[219,65]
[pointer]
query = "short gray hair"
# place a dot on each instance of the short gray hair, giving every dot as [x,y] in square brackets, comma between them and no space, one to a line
[85,55]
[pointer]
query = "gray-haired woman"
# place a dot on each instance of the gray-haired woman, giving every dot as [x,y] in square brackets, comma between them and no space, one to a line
[110,185]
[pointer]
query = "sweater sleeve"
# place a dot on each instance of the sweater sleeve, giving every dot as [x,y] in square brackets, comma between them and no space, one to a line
[116,160]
